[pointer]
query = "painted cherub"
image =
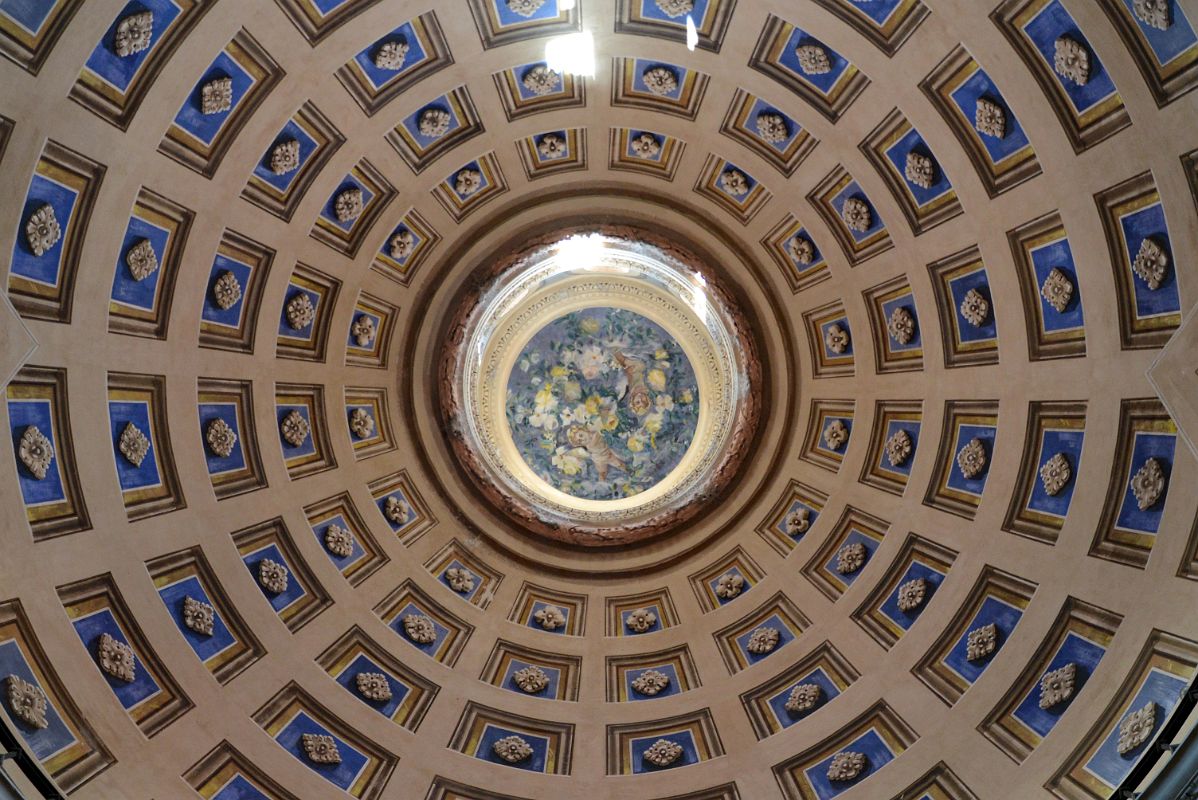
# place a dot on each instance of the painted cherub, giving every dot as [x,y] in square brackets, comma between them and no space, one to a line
[597,448]
[639,400]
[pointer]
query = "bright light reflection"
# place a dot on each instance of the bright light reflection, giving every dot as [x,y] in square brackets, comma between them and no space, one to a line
[581,252]
[692,33]
[565,5]
[572,54]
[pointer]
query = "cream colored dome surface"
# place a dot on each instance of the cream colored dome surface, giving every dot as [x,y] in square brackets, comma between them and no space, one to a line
[929,520]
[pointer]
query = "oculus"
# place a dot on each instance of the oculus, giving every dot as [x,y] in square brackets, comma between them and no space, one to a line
[596,386]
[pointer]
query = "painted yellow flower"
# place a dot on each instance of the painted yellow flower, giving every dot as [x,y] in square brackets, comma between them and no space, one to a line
[589,325]
[545,400]
[593,404]
[686,397]
[636,443]
[573,391]
[657,380]
[653,422]
[559,371]
[661,354]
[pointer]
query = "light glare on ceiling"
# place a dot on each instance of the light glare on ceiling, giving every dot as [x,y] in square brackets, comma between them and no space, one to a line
[692,34]
[572,54]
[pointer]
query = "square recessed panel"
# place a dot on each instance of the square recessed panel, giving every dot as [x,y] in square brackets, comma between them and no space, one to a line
[225,774]
[501,22]
[829,433]
[364,767]
[66,747]
[186,575]
[368,340]
[793,517]
[1052,297]
[533,88]
[912,172]
[316,19]
[395,62]
[1133,219]
[951,665]
[470,186]
[305,315]
[912,580]
[553,152]
[401,506]
[1043,492]
[352,209]
[435,128]
[821,76]
[893,445]
[1160,678]
[345,538]
[694,733]
[28,30]
[657,86]
[66,183]
[141,448]
[279,183]
[1090,109]
[879,734]
[886,23]
[368,418]
[895,323]
[1027,714]
[37,398]
[964,457]
[735,564]
[112,86]
[853,219]
[355,654]
[647,152]
[671,19]
[1130,521]
[293,591]
[198,139]
[956,87]
[228,436]
[973,339]
[824,668]
[480,581]
[233,295]
[1167,57]
[625,617]
[740,643]
[732,188]
[303,436]
[406,604]
[153,699]
[794,250]
[140,302]
[768,131]
[824,568]
[405,248]
[830,340]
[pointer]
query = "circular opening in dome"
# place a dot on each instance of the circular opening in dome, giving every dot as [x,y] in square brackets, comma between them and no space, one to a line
[595,386]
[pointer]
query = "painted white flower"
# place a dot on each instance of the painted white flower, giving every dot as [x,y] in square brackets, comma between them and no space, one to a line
[664,402]
[592,362]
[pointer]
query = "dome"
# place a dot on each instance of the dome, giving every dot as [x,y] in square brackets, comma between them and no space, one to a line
[664,399]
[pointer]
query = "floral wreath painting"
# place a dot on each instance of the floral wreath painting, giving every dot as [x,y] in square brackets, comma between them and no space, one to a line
[602,403]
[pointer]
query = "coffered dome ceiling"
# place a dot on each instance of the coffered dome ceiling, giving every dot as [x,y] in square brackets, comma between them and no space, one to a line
[808,413]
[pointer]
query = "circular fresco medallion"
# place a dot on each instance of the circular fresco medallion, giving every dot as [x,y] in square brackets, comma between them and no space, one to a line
[602,403]
[599,389]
